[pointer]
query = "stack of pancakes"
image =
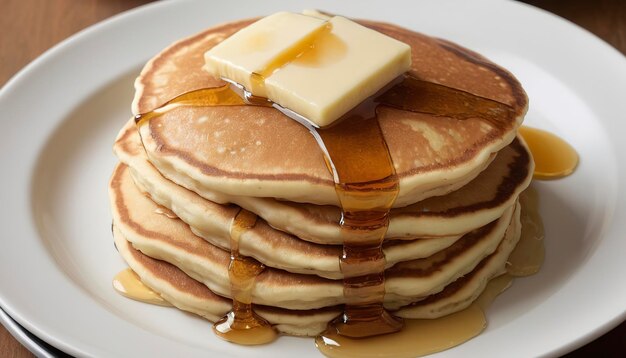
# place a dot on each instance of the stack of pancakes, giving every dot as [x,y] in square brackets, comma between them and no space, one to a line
[186,174]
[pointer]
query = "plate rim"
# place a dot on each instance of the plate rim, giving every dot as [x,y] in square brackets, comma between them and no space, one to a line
[59,49]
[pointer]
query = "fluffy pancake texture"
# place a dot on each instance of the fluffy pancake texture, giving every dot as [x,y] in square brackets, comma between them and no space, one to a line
[477,203]
[138,219]
[259,152]
[185,175]
[192,296]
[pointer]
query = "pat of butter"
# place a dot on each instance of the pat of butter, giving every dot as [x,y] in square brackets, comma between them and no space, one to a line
[254,52]
[323,74]
[345,66]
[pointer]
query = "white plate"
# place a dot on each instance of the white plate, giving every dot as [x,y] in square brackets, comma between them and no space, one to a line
[59,116]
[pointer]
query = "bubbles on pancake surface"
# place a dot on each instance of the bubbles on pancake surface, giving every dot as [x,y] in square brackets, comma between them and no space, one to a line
[346,149]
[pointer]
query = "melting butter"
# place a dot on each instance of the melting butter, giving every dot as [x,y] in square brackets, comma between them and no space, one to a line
[262,47]
[357,61]
[292,58]
[457,327]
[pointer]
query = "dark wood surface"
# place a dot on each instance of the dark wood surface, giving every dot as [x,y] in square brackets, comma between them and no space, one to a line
[30,27]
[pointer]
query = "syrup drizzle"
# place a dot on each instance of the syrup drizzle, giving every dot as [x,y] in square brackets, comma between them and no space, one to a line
[128,284]
[419,336]
[366,184]
[554,157]
[426,336]
[242,325]
[365,181]
[204,97]
[416,95]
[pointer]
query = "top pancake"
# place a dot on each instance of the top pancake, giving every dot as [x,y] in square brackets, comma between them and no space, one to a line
[476,204]
[259,152]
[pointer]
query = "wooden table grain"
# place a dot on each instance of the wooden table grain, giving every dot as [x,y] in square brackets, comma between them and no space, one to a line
[29,27]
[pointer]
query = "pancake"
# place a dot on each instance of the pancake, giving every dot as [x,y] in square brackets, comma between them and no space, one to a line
[190,295]
[461,293]
[172,240]
[212,222]
[258,152]
[447,217]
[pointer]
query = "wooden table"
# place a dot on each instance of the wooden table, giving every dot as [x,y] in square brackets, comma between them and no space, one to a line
[29,27]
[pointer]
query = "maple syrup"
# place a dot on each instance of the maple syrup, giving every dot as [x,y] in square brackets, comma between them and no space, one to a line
[366,192]
[128,284]
[416,95]
[420,337]
[366,184]
[554,157]
[242,325]
[205,97]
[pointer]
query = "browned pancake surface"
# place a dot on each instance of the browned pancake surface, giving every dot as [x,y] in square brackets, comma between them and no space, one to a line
[252,144]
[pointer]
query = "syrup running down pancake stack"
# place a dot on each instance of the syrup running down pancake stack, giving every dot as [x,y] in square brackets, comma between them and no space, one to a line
[210,184]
